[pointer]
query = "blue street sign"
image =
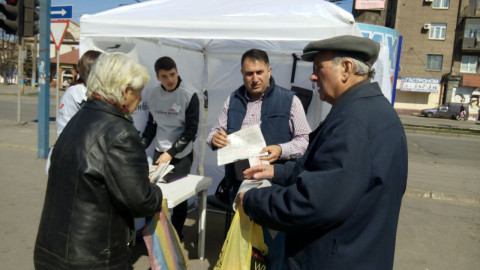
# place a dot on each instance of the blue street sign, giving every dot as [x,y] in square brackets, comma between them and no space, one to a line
[61,12]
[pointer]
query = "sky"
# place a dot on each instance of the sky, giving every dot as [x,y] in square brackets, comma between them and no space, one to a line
[81,7]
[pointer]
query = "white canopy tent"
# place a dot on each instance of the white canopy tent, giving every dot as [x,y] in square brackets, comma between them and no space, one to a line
[207,38]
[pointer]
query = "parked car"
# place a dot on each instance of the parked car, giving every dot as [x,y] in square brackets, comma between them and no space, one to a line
[450,110]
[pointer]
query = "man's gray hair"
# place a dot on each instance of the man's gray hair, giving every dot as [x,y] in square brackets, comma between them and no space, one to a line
[112,73]
[359,67]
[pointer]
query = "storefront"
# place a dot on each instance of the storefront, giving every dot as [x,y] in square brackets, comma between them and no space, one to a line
[468,92]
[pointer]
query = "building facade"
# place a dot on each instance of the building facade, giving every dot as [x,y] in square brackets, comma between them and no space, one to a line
[428,30]
[464,80]
[440,51]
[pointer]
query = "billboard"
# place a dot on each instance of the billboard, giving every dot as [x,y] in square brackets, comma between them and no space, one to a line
[389,41]
[425,85]
[370,4]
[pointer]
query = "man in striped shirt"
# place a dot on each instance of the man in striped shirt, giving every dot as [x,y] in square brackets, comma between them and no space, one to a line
[260,101]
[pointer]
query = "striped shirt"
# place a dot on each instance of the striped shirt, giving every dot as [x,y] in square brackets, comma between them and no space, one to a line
[298,125]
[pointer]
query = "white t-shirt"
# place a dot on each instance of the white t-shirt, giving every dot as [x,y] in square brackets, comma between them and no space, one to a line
[69,105]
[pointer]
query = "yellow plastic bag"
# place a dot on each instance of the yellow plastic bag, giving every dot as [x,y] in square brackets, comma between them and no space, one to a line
[244,247]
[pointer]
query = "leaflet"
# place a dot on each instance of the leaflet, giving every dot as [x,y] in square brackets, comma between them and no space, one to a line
[243,144]
[157,173]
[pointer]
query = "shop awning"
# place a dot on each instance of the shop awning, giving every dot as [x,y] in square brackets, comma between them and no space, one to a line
[471,80]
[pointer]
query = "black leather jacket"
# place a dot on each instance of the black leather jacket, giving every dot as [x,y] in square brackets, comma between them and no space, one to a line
[97,183]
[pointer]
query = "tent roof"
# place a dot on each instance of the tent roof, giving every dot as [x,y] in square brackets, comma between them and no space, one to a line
[203,21]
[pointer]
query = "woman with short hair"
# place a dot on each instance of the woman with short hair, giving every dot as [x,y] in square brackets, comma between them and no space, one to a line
[98,180]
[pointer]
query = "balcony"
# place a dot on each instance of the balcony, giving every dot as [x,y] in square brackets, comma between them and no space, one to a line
[471,44]
[469,30]
[469,11]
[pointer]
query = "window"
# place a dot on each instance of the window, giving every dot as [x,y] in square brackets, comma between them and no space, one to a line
[472,28]
[440,3]
[438,30]
[469,64]
[434,62]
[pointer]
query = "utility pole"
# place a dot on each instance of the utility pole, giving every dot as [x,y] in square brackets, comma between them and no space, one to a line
[34,61]
[20,79]
[43,80]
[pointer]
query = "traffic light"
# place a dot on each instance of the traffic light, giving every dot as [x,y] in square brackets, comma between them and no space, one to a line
[30,17]
[13,11]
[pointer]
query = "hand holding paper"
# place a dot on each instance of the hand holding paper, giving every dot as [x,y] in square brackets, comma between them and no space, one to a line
[220,139]
[157,173]
[246,185]
[259,172]
[164,158]
[243,144]
[274,152]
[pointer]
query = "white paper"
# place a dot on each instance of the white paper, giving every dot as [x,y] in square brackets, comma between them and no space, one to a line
[243,144]
[158,172]
[248,184]
[255,161]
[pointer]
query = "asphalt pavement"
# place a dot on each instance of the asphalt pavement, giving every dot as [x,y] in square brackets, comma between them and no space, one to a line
[434,232]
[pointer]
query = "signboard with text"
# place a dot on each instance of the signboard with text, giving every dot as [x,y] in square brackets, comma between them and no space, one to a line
[425,85]
[370,4]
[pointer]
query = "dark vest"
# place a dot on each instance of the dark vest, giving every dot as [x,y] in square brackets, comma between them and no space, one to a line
[276,106]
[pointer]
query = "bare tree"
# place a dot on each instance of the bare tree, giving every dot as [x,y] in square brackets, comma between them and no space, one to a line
[8,54]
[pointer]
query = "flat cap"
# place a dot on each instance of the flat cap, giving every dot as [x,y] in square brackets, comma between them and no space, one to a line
[360,48]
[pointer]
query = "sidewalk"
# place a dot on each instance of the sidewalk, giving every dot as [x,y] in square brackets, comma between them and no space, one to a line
[432,234]
[420,123]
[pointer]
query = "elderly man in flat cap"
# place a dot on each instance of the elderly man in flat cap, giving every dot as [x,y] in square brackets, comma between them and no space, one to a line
[339,203]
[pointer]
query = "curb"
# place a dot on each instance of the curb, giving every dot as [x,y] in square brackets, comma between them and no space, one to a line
[452,131]
[442,196]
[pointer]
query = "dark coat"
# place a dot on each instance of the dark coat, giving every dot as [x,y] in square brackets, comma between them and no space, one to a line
[339,203]
[97,183]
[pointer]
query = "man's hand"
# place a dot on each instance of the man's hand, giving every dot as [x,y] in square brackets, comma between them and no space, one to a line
[219,139]
[259,172]
[164,158]
[239,199]
[275,151]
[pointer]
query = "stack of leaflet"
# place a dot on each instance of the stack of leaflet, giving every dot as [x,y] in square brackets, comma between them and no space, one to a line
[157,173]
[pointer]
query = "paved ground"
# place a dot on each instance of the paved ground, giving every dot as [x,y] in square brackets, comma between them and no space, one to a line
[433,233]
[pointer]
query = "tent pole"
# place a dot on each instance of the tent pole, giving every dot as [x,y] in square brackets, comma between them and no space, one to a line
[397,67]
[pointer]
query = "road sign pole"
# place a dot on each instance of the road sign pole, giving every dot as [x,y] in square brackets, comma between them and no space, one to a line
[58,81]
[20,79]
[44,80]
[58,31]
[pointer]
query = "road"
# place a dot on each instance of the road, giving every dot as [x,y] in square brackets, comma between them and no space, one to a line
[28,106]
[445,164]
[439,232]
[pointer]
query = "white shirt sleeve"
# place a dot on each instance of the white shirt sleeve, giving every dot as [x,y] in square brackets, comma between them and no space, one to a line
[69,105]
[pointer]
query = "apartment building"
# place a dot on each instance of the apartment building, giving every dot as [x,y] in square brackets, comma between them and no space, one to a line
[428,30]
[440,51]
[463,83]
